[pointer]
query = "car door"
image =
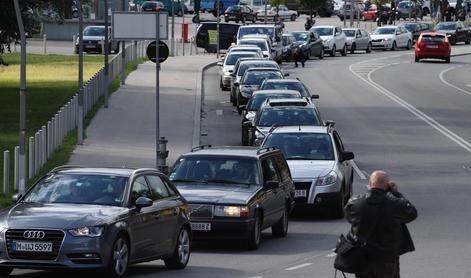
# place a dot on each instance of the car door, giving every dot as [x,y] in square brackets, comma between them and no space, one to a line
[142,223]
[166,212]
[366,37]
[273,209]
[286,195]
[359,39]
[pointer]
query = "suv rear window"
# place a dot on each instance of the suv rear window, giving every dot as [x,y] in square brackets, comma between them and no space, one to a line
[287,116]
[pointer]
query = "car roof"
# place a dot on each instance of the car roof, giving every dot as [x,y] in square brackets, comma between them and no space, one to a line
[323,26]
[247,38]
[240,151]
[90,170]
[262,69]
[272,92]
[302,129]
[258,25]
[252,60]
[282,81]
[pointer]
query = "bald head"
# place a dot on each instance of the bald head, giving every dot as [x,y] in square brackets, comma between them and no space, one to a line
[379,179]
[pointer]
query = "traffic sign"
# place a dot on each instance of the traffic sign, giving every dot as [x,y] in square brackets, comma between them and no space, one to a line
[138,25]
[163,51]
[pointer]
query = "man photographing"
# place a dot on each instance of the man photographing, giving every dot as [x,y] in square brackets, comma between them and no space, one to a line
[378,218]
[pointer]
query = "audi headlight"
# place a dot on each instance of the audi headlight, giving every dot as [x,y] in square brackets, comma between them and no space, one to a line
[95,231]
[231,211]
[328,179]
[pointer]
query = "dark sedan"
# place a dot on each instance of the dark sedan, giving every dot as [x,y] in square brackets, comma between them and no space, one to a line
[455,31]
[235,192]
[239,13]
[310,43]
[99,218]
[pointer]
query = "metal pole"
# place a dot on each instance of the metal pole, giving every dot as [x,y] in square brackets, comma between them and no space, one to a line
[183,24]
[44,43]
[15,169]
[352,3]
[172,41]
[31,158]
[218,21]
[157,87]
[6,171]
[106,55]
[410,11]
[80,78]
[344,13]
[22,135]
[123,55]
[266,12]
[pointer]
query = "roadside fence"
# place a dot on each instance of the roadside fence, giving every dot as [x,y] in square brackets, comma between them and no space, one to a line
[50,136]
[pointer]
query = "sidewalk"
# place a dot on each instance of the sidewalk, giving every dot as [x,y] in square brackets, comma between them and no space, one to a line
[124,134]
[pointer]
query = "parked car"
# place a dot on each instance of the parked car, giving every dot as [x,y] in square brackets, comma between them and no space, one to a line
[310,43]
[239,13]
[272,30]
[227,35]
[287,84]
[241,67]
[153,6]
[93,37]
[235,192]
[333,38]
[391,37]
[273,50]
[96,218]
[262,43]
[283,12]
[228,65]
[404,8]
[321,168]
[251,81]
[345,11]
[281,112]
[414,27]
[433,45]
[287,41]
[357,39]
[245,48]
[257,99]
[371,13]
[456,31]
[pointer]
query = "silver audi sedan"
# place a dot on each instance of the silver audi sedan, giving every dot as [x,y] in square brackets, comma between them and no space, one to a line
[99,218]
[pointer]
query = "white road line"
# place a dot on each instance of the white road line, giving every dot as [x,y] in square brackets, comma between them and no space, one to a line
[469,85]
[357,170]
[298,266]
[421,115]
[219,112]
[449,84]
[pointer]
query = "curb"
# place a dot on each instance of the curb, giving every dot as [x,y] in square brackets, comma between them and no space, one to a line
[198,104]
[460,54]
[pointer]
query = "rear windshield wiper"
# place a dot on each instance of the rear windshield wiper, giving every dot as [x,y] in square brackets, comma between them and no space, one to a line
[189,180]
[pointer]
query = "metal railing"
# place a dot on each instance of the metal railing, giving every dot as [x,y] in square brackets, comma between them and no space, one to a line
[50,136]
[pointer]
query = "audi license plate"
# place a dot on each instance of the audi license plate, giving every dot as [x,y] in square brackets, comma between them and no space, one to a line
[300,193]
[29,246]
[201,226]
[431,46]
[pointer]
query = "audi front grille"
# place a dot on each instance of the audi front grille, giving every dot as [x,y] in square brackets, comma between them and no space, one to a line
[54,236]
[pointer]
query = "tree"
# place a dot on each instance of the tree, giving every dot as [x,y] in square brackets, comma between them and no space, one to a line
[312,5]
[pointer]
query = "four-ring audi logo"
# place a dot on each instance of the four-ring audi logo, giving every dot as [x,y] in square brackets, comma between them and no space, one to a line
[34,234]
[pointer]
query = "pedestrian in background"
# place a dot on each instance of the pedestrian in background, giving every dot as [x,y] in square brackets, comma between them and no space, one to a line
[378,218]
[298,56]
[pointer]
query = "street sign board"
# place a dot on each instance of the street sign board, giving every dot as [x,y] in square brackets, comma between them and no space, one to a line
[163,51]
[138,25]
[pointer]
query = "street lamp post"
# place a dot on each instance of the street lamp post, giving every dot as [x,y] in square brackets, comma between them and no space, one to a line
[172,41]
[217,27]
[105,50]
[123,54]
[22,135]
[80,76]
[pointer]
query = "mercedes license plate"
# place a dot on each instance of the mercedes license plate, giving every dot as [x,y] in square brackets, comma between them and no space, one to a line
[300,193]
[201,226]
[29,246]
[431,46]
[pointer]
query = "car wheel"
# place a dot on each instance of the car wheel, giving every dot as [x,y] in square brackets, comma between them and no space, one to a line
[5,271]
[334,50]
[309,54]
[226,19]
[220,84]
[119,257]
[352,50]
[236,21]
[254,19]
[280,229]
[321,55]
[339,205]
[238,106]
[368,49]
[409,45]
[447,60]
[417,59]
[253,241]
[452,41]
[468,40]
[243,19]
[245,134]
[293,17]
[181,254]
[344,50]
[393,47]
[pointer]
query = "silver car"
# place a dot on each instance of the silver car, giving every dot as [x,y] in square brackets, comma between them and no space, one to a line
[357,39]
[98,218]
[321,168]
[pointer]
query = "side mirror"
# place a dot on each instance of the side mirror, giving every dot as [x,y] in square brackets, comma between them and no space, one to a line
[286,74]
[219,64]
[143,202]
[15,198]
[314,96]
[271,185]
[330,123]
[347,156]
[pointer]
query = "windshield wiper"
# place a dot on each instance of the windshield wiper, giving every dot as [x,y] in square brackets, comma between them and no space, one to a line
[189,180]
[229,181]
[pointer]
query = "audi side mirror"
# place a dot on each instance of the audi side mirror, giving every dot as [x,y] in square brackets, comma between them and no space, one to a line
[143,202]
[314,96]
[15,198]
[271,185]
[330,123]
[347,156]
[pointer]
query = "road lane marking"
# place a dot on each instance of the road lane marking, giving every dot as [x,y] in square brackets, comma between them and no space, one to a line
[357,170]
[298,266]
[449,84]
[421,115]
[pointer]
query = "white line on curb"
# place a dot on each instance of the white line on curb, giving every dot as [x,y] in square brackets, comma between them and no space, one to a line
[449,84]
[298,266]
[357,170]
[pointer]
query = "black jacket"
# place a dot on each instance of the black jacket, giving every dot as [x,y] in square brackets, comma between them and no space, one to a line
[381,216]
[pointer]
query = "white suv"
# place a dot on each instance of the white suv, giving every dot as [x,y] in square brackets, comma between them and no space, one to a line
[333,38]
[321,169]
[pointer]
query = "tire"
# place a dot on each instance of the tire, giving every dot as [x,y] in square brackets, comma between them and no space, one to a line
[368,49]
[181,254]
[5,271]
[321,55]
[334,50]
[417,59]
[338,211]
[237,106]
[254,19]
[244,138]
[309,54]
[352,50]
[280,229]
[393,47]
[226,19]
[119,257]
[344,50]
[236,21]
[231,98]
[409,45]
[220,84]
[253,241]
[293,17]
[452,41]
[468,40]
[243,19]
[447,60]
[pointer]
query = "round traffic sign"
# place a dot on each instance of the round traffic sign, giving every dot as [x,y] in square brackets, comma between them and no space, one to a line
[163,51]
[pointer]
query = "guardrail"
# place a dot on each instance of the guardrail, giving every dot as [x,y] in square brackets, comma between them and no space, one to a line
[50,136]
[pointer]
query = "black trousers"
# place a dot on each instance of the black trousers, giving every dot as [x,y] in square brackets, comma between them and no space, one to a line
[380,270]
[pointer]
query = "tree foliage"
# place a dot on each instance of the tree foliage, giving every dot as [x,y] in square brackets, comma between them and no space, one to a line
[312,4]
